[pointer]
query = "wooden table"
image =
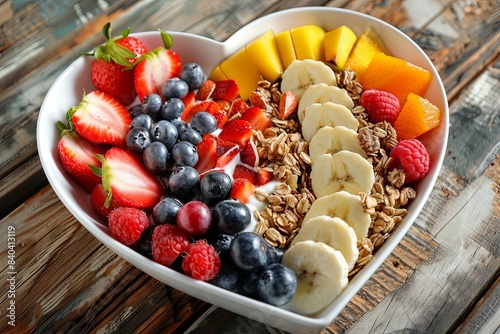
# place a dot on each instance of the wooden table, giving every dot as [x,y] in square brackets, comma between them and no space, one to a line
[442,278]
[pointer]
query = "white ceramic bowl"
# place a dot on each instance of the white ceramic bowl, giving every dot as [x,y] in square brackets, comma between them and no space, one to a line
[67,91]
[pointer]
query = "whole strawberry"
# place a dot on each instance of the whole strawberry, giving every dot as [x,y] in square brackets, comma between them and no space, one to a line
[110,71]
[380,106]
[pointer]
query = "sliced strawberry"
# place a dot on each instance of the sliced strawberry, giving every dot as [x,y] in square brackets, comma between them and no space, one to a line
[221,116]
[207,154]
[257,100]
[208,106]
[153,69]
[263,176]
[257,118]
[249,154]
[226,90]
[101,119]
[245,172]
[227,157]
[127,181]
[76,154]
[239,106]
[217,169]
[241,190]
[189,101]
[287,105]
[238,131]
[98,198]
[223,146]
[205,91]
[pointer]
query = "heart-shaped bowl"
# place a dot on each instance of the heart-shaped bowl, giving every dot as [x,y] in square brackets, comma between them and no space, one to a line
[67,91]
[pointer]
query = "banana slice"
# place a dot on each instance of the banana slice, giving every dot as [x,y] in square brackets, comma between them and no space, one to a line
[321,93]
[331,114]
[321,275]
[334,139]
[343,170]
[345,206]
[301,74]
[334,232]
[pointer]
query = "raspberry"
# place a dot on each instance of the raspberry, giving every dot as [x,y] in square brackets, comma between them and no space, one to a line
[167,242]
[201,261]
[381,106]
[127,224]
[412,155]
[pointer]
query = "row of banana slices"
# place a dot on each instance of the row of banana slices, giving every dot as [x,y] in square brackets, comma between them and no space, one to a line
[325,249]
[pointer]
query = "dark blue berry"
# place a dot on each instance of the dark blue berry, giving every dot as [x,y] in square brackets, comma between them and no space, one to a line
[136,110]
[227,278]
[248,251]
[152,104]
[185,154]
[231,216]
[138,139]
[248,284]
[172,109]
[165,212]
[216,186]
[142,121]
[190,135]
[144,243]
[174,87]
[164,132]
[203,122]
[193,75]
[274,254]
[223,242]
[277,284]
[183,181]
[179,125]
[155,158]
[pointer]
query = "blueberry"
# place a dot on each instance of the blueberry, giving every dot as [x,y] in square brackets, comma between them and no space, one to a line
[151,104]
[174,87]
[231,216]
[222,243]
[248,251]
[165,212]
[184,181]
[164,132]
[203,122]
[248,284]
[155,158]
[136,110]
[185,154]
[144,243]
[216,186]
[277,284]
[274,254]
[190,135]
[227,278]
[193,75]
[142,121]
[138,139]
[179,125]
[172,109]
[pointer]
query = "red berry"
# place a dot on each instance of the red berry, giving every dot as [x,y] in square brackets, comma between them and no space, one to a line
[167,243]
[412,156]
[381,106]
[127,224]
[194,218]
[202,262]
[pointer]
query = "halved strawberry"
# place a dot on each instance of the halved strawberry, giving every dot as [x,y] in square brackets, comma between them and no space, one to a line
[208,106]
[98,198]
[224,145]
[100,118]
[239,106]
[287,105]
[249,154]
[207,154]
[217,169]
[244,172]
[205,90]
[127,182]
[226,89]
[221,116]
[227,157]
[238,131]
[257,100]
[189,101]
[257,118]
[76,154]
[263,176]
[241,190]
[153,69]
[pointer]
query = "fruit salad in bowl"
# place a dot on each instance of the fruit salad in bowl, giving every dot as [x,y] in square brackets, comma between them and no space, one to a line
[270,175]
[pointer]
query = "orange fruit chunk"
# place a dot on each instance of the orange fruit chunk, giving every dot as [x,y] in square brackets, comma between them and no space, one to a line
[417,116]
[396,76]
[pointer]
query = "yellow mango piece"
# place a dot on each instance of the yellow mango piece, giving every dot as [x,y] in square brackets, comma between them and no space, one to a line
[240,68]
[338,44]
[265,56]
[366,46]
[285,48]
[308,42]
[217,75]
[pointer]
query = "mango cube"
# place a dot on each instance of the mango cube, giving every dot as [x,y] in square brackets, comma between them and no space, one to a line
[308,42]
[285,48]
[241,69]
[217,75]
[338,44]
[265,56]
